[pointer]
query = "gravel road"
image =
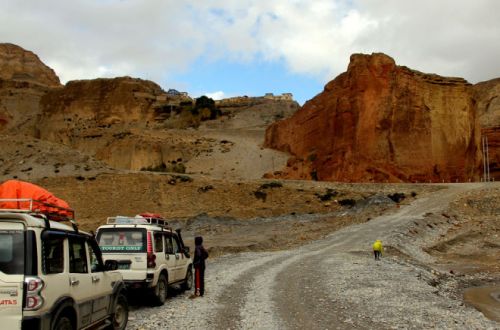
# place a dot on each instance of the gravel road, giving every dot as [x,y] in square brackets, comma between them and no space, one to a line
[329,284]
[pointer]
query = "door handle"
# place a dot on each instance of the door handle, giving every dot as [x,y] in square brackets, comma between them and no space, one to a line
[74,282]
[95,279]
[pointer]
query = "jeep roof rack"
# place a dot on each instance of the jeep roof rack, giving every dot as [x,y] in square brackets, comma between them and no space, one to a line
[138,220]
[40,209]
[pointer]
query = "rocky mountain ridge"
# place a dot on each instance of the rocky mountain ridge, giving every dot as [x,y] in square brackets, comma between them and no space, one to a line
[119,123]
[385,123]
[19,64]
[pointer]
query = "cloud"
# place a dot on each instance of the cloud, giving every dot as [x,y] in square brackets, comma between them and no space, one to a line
[157,39]
[219,95]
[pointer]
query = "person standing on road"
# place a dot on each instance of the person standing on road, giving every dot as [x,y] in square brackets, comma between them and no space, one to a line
[377,249]
[200,254]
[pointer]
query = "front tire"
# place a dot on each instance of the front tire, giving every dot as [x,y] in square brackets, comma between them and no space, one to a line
[63,323]
[161,291]
[120,314]
[188,281]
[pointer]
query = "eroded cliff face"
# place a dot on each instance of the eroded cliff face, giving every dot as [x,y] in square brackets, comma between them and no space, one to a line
[382,122]
[98,103]
[487,94]
[24,79]
[114,120]
[19,64]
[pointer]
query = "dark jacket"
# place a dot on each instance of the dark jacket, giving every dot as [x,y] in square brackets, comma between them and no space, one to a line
[200,254]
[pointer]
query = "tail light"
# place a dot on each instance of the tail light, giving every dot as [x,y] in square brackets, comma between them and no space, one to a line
[33,299]
[151,257]
[150,243]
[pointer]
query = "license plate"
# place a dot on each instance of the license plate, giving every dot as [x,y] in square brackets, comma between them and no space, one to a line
[123,266]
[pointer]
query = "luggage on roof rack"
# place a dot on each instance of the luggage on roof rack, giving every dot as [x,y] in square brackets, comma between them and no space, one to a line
[19,196]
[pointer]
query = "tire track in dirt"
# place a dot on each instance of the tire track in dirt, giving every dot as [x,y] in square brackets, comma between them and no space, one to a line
[232,298]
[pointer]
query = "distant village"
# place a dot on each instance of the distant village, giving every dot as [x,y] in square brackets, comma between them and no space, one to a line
[269,96]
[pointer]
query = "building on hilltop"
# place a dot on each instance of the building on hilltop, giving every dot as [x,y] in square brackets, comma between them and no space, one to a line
[175,92]
[282,97]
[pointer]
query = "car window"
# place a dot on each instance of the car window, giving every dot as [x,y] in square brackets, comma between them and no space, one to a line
[53,255]
[122,240]
[168,245]
[158,242]
[175,245]
[95,262]
[12,251]
[77,256]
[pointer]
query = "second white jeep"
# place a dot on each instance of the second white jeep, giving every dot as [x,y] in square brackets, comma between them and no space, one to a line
[150,255]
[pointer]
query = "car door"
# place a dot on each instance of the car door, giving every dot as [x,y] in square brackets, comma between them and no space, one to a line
[81,286]
[11,274]
[170,258]
[179,258]
[159,247]
[102,284]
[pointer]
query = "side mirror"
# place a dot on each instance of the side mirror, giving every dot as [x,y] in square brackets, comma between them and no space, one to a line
[185,250]
[111,265]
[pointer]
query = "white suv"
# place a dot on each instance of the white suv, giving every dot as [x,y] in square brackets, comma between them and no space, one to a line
[52,275]
[150,255]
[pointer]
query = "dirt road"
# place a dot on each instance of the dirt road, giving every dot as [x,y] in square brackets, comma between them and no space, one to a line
[329,284]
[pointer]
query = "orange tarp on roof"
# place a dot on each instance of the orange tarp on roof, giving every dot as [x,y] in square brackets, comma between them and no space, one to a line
[15,189]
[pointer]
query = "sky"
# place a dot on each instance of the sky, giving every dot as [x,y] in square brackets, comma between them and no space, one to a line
[226,48]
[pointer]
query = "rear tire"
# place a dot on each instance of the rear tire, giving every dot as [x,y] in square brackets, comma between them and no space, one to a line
[119,318]
[188,281]
[161,291]
[63,323]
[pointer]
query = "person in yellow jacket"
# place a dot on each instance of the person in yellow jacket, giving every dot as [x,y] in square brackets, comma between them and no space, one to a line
[378,249]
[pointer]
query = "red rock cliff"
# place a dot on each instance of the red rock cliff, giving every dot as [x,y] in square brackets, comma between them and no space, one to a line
[383,122]
[487,94]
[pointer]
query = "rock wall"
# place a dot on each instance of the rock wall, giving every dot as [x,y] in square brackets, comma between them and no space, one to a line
[19,64]
[20,106]
[24,79]
[382,122]
[487,95]
[113,120]
[493,139]
[86,104]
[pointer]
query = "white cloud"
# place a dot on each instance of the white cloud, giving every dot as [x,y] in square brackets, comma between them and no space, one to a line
[219,95]
[156,38]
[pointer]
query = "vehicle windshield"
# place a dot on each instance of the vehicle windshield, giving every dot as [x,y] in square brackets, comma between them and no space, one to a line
[12,252]
[122,240]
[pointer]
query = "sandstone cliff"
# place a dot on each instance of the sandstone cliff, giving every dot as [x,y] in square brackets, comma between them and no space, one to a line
[115,120]
[383,122]
[487,95]
[19,64]
[20,106]
[24,79]
[95,103]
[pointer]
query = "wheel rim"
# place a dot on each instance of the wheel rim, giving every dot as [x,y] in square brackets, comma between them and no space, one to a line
[64,324]
[119,316]
[189,281]
[162,288]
